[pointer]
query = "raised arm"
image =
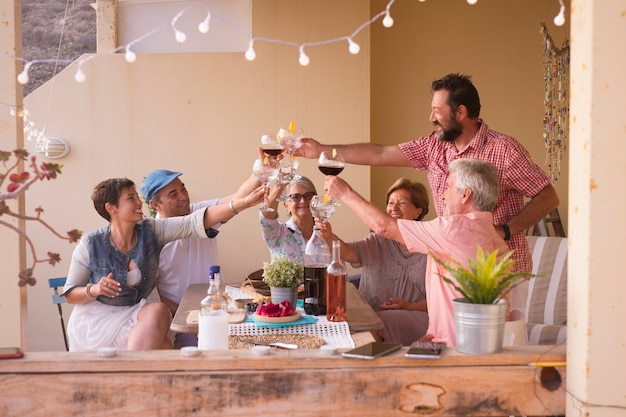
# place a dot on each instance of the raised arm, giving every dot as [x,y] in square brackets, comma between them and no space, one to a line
[378,221]
[357,153]
[221,213]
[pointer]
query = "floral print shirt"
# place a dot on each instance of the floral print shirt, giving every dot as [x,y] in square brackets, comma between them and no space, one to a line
[284,239]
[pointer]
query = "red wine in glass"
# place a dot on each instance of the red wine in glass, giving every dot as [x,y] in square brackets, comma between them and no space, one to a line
[331,169]
[273,151]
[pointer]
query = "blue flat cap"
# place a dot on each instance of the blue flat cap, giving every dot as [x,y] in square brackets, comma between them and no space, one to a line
[156,180]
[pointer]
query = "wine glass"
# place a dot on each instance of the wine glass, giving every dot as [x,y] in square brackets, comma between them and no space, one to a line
[290,141]
[330,163]
[265,170]
[271,147]
[321,209]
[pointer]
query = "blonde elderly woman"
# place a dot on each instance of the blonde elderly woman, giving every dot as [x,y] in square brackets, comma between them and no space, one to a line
[392,279]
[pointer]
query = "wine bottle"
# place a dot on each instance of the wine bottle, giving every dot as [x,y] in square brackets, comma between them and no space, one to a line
[316,260]
[336,275]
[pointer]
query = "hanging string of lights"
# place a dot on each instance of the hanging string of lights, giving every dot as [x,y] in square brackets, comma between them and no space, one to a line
[250,54]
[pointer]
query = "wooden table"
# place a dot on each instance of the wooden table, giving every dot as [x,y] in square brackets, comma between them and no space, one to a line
[301,382]
[361,316]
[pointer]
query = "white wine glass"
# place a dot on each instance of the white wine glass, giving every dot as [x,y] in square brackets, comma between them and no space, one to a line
[265,170]
[322,210]
[290,141]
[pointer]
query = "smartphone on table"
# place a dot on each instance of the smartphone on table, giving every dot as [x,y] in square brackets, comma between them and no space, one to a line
[426,350]
[11,353]
[372,350]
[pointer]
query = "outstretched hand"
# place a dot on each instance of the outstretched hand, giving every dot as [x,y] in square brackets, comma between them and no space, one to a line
[255,197]
[309,149]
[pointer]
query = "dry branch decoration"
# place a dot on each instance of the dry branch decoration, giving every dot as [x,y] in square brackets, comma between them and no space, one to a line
[556,63]
[18,183]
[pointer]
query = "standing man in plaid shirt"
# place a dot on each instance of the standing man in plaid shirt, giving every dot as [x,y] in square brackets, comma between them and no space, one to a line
[461,133]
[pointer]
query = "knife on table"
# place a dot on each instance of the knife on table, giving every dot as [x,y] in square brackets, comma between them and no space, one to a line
[280,345]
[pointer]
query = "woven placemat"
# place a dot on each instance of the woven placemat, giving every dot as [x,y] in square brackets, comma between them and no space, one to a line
[302,340]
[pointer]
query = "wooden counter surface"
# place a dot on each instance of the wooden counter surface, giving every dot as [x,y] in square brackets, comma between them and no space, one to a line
[296,383]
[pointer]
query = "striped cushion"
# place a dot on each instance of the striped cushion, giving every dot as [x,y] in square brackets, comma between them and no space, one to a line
[546,305]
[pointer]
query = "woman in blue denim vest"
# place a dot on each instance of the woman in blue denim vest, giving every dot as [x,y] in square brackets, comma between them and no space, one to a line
[113,270]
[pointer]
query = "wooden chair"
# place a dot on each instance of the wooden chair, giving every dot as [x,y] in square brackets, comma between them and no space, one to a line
[542,227]
[58,299]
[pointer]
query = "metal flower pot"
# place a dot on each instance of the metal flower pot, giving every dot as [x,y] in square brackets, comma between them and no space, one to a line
[479,327]
[279,294]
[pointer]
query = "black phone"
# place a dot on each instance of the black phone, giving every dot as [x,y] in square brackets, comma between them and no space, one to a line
[427,350]
[10,353]
[372,350]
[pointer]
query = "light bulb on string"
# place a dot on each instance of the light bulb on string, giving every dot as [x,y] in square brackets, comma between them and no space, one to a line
[388,20]
[472,2]
[130,55]
[23,77]
[250,54]
[304,59]
[180,36]
[353,47]
[80,75]
[203,27]
[559,19]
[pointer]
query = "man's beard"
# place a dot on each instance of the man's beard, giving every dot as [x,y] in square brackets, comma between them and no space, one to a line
[450,134]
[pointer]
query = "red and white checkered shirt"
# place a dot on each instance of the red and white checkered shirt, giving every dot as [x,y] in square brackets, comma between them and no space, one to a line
[519,176]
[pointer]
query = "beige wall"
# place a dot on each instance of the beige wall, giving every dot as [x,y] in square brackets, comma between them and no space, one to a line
[496,42]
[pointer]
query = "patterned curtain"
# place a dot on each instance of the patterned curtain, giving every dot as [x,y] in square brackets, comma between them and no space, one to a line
[556,102]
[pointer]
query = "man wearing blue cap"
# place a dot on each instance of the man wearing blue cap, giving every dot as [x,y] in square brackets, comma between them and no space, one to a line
[186,261]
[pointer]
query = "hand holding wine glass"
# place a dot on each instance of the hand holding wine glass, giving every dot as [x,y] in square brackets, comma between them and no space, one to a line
[290,141]
[265,169]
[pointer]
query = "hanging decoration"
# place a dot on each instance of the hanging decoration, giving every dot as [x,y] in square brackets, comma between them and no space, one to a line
[556,64]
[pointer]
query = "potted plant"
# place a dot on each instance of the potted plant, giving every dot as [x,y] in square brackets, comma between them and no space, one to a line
[283,276]
[480,314]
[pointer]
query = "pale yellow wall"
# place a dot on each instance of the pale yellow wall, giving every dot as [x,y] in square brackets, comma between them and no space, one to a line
[496,42]
[202,114]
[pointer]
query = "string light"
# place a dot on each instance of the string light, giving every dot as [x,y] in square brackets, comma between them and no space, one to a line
[80,75]
[304,59]
[130,55]
[353,47]
[203,27]
[250,53]
[559,19]
[23,77]
[388,20]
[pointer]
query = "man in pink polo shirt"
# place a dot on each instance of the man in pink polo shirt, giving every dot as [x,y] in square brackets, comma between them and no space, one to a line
[470,194]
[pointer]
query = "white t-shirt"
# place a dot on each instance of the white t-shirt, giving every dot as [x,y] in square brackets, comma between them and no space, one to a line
[186,261]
